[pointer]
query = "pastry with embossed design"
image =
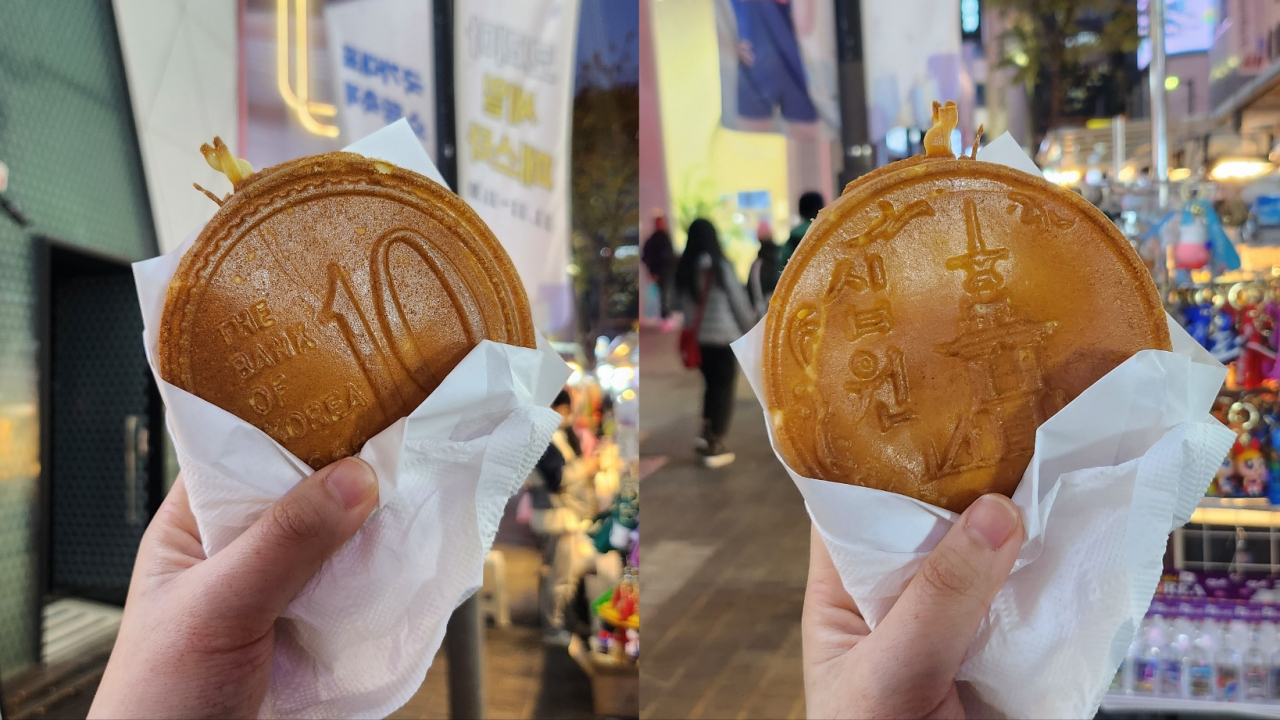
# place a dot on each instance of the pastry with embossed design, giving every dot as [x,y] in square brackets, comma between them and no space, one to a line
[936,314]
[330,295]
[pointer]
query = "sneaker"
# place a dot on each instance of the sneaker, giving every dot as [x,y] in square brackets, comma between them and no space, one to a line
[716,456]
[700,445]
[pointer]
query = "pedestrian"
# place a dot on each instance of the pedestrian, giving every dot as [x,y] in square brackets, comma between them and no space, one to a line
[810,205]
[659,257]
[763,277]
[717,307]
[562,492]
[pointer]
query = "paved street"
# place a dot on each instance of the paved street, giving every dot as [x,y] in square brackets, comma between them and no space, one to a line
[725,558]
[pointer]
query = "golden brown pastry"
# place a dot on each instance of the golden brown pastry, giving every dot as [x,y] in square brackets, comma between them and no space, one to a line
[330,295]
[936,314]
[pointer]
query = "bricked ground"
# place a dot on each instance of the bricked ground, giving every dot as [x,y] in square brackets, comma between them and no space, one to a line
[523,679]
[725,554]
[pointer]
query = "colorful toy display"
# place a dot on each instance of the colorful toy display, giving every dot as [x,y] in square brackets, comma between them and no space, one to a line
[1237,323]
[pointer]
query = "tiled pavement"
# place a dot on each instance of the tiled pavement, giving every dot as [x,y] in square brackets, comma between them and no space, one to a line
[522,678]
[725,559]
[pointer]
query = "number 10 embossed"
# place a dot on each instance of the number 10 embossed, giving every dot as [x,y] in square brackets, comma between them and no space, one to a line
[376,328]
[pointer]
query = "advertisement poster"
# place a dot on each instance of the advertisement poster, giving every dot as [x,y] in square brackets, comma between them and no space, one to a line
[514,93]
[382,53]
[909,63]
[778,66]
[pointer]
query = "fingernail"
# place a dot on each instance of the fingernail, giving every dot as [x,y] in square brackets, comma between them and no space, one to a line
[993,518]
[351,481]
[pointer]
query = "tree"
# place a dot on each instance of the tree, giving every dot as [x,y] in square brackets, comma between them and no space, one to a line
[606,192]
[1073,55]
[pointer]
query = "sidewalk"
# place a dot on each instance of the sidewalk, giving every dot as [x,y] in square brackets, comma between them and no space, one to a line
[725,558]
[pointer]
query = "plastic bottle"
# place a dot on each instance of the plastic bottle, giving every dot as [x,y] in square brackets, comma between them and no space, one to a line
[1146,656]
[1273,686]
[1226,668]
[1173,659]
[1256,669]
[1200,680]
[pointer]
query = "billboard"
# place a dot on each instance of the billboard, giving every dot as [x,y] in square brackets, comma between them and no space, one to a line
[777,65]
[1188,27]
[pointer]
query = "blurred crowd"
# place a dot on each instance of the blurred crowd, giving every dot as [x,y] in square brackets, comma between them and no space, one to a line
[717,307]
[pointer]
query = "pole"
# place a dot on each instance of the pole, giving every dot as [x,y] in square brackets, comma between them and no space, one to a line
[464,650]
[1159,103]
[1119,153]
[859,157]
[463,638]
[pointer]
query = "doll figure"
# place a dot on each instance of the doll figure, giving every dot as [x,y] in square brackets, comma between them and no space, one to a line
[1251,467]
[1224,481]
[1192,249]
[1224,341]
[1254,350]
[1198,313]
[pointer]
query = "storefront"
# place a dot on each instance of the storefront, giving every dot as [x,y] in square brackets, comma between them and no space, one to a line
[78,476]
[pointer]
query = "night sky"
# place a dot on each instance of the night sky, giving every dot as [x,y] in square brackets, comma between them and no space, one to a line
[608,22]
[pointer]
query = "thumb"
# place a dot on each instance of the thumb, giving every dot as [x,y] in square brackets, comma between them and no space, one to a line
[929,628]
[262,570]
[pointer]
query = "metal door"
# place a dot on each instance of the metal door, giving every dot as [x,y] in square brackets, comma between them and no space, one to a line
[102,476]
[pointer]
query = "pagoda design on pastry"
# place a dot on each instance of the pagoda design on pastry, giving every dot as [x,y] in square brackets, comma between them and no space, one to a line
[1002,352]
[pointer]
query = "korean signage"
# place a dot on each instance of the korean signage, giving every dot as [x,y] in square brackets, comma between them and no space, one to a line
[382,54]
[513,92]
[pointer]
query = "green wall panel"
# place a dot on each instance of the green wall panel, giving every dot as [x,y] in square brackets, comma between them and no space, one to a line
[67,134]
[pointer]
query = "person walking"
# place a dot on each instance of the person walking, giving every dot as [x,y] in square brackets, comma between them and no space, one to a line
[810,205]
[763,277]
[659,257]
[717,308]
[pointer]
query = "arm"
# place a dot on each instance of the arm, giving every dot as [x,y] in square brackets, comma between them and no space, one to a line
[743,311]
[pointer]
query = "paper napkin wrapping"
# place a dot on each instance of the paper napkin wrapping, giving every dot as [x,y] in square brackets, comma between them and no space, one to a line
[1114,472]
[358,639]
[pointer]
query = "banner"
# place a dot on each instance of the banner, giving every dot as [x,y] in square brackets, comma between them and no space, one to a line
[778,64]
[513,94]
[382,52]
[912,57]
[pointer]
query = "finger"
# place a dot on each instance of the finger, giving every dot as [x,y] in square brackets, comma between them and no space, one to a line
[831,624]
[261,571]
[824,584]
[931,625]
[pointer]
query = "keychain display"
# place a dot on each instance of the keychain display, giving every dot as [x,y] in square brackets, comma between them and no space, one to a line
[1250,469]
[1236,323]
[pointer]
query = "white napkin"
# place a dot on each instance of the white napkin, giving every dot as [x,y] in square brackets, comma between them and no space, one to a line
[1113,474]
[358,639]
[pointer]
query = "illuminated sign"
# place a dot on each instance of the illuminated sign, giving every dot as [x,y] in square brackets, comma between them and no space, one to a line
[1188,27]
[971,20]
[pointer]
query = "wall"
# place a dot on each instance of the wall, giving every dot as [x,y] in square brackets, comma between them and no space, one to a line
[181,60]
[67,134]
[703,159]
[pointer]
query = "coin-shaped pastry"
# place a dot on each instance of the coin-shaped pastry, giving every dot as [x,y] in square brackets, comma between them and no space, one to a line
[935,315]
[330,295]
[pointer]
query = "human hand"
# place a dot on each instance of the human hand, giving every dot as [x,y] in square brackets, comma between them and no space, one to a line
[198,633]
[906,667]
